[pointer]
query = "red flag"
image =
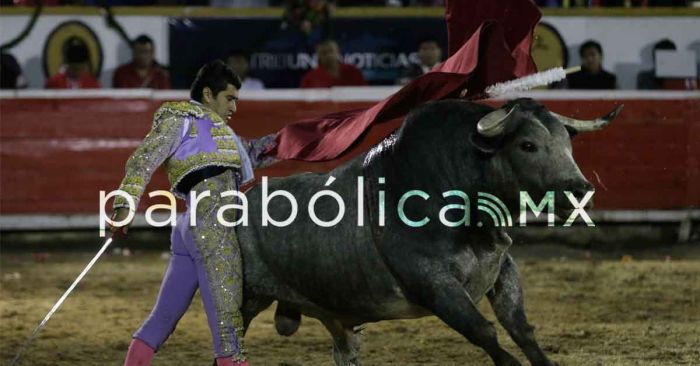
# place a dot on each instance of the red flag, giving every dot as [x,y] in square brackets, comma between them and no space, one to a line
[489,42]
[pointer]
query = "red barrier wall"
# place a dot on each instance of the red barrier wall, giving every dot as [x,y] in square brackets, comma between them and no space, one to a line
[56,154]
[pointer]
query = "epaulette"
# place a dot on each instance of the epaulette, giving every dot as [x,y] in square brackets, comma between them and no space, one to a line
[182,109]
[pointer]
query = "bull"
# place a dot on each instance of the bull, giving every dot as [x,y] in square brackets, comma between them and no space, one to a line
[349,274]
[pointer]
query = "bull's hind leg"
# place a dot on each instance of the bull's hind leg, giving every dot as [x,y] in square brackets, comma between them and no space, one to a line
[251,308]
[506,299]
[346,343]
[287,319]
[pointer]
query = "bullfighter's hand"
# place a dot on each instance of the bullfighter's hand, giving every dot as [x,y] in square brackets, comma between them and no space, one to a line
[119,215]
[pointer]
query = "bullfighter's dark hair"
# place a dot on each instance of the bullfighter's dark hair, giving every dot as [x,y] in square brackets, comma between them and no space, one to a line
[215,75]
[590,44]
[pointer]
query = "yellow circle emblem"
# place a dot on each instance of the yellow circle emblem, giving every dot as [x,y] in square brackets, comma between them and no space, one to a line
[56,42]
[548,48]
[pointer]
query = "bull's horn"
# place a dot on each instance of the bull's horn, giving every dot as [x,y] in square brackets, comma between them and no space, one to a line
[493,123]
[589,125]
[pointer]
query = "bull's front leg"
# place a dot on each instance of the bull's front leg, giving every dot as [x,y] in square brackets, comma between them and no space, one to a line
[506,299]
[453,305]
[429,279]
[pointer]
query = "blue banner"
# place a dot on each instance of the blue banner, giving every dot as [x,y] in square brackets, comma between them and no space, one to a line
[380,47]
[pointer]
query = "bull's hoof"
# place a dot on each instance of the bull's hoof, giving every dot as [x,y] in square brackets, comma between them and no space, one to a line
[287,319]
[506,359]
[542,360]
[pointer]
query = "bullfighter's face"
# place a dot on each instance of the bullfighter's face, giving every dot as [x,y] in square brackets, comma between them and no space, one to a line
[224,103]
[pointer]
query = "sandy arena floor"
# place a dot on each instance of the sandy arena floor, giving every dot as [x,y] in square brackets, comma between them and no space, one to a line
[587,312]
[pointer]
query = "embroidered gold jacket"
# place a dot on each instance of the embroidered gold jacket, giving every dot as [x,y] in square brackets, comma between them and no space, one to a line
[187,136]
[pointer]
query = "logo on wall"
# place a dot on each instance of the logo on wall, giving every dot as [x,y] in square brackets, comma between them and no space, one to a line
[71,32]
[548,48]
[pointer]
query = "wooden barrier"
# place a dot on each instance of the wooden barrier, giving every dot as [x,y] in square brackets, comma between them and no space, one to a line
[58,153]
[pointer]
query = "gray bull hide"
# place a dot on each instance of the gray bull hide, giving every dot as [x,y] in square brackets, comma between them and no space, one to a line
[350,274]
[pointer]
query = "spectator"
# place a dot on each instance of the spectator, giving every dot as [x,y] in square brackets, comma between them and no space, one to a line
[667,3]
[331,71]
[11,73]
[239,62]
[647,79]
[548,3]
[592,75]
[239,3]
[429,54]
[407,3]
[143,71]
[75,74]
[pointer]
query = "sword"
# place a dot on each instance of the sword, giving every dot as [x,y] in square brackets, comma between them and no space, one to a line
[60,301]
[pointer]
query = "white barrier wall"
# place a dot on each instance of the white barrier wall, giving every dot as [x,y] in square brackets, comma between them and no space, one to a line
[626,40]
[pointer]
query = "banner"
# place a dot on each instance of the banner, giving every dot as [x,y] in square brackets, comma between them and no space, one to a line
[379,47]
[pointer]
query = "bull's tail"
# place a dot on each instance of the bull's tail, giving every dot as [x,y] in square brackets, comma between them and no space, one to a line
[287,319]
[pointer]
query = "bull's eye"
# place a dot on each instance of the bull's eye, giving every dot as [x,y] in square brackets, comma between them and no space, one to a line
[528,146]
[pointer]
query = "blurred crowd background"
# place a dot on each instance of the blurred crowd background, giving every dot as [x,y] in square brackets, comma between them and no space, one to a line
[376,3]
[309,46]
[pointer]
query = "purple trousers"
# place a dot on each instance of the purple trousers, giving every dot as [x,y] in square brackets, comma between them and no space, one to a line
[190,269]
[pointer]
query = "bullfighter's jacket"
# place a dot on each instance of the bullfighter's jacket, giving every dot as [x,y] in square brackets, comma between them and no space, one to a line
[187,136]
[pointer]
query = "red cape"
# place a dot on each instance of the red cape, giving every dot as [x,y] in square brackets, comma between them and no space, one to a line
[489,42]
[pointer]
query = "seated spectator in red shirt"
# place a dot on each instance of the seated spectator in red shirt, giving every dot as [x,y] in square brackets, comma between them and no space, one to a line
[331,71]
[75,74]
[143,71]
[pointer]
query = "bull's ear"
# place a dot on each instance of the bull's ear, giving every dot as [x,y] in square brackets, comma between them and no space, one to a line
[572,132]
[485,145]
